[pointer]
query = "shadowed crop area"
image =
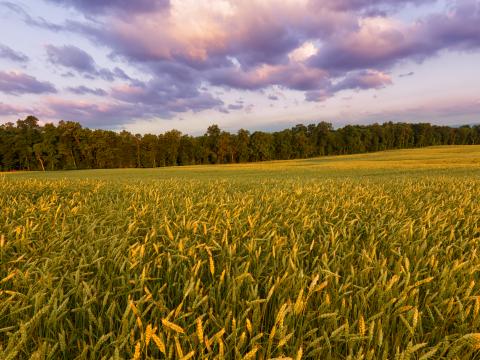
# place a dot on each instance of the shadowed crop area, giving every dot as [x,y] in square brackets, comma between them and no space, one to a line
[354,257]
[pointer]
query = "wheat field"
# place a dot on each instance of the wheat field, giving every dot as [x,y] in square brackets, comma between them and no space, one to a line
[355,257]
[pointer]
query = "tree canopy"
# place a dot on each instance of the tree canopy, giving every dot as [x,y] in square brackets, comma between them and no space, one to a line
[27,145]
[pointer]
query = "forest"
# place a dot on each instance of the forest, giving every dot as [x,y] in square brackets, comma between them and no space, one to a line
[27,145]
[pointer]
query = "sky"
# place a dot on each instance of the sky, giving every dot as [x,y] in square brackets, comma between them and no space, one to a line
[148,66]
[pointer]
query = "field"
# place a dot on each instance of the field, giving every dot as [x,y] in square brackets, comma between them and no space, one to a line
[368,256]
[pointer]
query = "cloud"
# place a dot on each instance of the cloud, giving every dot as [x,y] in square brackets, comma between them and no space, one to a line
[98,115]
[377,5]
[223,110]
[318,95]
[254,45]
[363,80]
[30,20]
[235,107]
[72,57]
[411,73]
[357,80]
[6,109]
[292,76]
[377,43]
[188,48]
[123,6]
[17,83]
[128,103]
[163,98]
[449,110]
[82,90]
[381,42]
[10,54]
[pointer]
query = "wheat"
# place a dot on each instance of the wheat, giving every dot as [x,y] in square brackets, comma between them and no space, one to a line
[298,307]
[361,325]
[325,259]
[178,347]
[299,354]
[199,330]
[190,355]
[148,334]
[169,232]
[172,326]
[415,317]
[476,307]
[159,343]
[251,354]
[211,264]
[249,327]
[473,340]
[136,355]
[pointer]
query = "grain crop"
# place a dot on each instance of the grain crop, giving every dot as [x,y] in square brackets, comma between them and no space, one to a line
[291,265]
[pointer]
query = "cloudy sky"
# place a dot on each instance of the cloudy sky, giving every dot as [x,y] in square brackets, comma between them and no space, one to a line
[154,65]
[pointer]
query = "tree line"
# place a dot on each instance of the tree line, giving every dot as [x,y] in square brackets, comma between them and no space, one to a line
[27,145]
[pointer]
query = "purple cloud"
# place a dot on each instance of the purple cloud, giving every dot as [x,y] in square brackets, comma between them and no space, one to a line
[82,90]
[30,20]
[318,95]
[97,115]
[265,41]
[358,80]
[235,107]
[6,109]
[363,80]
[68,74]
[460,110]
[10,54]
[223,110]
[257,54]
[71,57]
[377,5]
[16,83]
[292,76]
[131,106]
[125,6]
[381,42]
[120,74]
[319,47]
[255,35]
[165,97]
